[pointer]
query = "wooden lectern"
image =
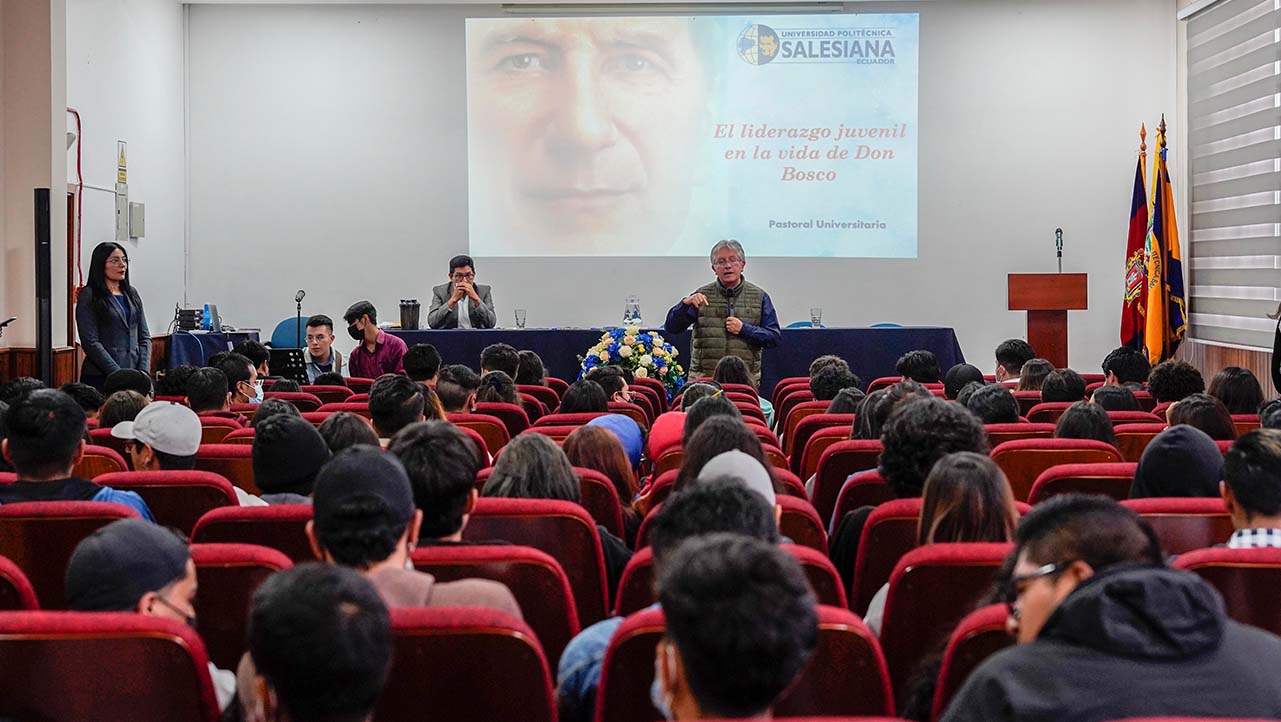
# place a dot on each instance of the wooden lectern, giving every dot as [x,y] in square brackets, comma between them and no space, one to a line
[1047,297]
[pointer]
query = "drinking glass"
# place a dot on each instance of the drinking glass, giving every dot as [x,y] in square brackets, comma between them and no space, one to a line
[816,317]
[520,318]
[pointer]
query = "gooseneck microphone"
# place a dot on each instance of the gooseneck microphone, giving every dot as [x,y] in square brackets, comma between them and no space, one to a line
[1058,244]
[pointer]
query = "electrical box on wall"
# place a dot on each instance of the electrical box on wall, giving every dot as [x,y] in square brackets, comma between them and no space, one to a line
[137,220]
[122,212]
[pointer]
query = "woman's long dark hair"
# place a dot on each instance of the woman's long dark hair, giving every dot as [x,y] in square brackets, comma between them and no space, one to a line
[97,282]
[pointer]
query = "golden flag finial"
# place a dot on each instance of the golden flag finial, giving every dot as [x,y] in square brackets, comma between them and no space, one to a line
[1160,132]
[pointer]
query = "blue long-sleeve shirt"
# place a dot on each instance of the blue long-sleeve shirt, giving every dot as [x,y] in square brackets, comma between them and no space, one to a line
[767,335]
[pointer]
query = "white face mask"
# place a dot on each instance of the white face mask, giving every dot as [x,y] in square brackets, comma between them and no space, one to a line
[658,695]
[257,397]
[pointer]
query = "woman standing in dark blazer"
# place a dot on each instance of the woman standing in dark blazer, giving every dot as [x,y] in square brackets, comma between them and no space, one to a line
[109,316]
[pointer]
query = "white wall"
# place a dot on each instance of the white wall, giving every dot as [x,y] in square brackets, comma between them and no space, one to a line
[328,153]
[125,76]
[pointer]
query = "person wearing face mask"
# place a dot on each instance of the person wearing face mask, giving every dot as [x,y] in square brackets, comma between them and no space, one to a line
[377,352]
[364,518]
[132,565]
[242,378]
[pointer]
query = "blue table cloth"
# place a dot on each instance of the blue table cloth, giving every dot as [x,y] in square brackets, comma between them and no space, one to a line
[871,352]
[196,348]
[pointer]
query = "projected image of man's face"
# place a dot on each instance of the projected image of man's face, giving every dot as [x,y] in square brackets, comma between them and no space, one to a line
[582,132]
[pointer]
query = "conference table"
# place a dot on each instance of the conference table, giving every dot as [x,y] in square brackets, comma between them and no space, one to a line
[871,352]
[186,347]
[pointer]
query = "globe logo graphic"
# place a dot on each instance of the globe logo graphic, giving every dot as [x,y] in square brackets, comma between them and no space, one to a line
[758,44]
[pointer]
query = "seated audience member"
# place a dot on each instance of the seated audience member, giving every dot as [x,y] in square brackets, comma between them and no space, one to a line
[394,403]
[1011,354]
[1270,414]
[723,504]
[742,623]
[966,499]
[1062,385]
[499,357]
[732,370]
[584,397]
[1251,489]
[597,448]
[704,410]
[847,401]
[822,362]
[612,382]
[20,386]
[377,352]
[667,429]
[994,404]
[131,565]
[322,357]
[164,436]
[1206,413]
[89,398]
[532,466]
[257,354]
[712,438]
[343,429]
[174,381]
[1115,398]
[829,381]
[121,406]
[365,519]
[320,647]
[919,366]
[1106,631]
[329,378]
[207,394]
[869,425]
[456,385]
[242,379]
[1180,461]
[45,438]
[285,386]
[963,396]
[1126,366]
[1084,420]
[128,380]
[958,376]
[1173,380]
[1238,389]
[422,364]
[288,454]
[696,390]
[628,433]
[1033,374]
[273,407]
[496,387]
[441,464]
[530,372]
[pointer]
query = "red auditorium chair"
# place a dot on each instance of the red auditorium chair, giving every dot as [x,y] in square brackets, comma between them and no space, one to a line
[1023,461]
[482,449]
[555,433]
[358,399]
[1224,446]
[559,419]
[888,534]
[998,434]
[176,498]
[868,489]
[634,412]
[533,408]
[328,394]
[103,437]
[1248,579]
[798,395]
[536,580]
[1110,479]
[1184,524]
[545,394]
[740,389]
[39,536]
[835,466]
[465,664]
[563,530]
[512,416]
[932,588]
[750,410]
[214,428]
[669,460]
[359,385]
[793,419]
[1132,439]
[316,418]
[98,460]
[281,527]
[766,436]
[1147,403]
[1047,412]
[785,482]
[175,399]
[355,407]
[227,575]
[1134,417]
[846,676]
[244,411]
[883,382]
[813,435]
[302,400]
[774,456]
[980,635]
[491,428]
[1245,423]
[1027,401]
[800,523]
[600,499]
[240,436]
[16,592]
[234,462]
[743,397]
[103,666]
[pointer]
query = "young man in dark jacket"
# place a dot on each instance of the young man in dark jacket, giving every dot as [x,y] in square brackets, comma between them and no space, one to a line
[1106,631]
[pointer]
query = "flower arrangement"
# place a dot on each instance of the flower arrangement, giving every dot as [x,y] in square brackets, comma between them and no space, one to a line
[644,353]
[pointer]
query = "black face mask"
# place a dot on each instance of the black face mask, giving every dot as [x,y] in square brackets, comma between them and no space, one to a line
[355,333]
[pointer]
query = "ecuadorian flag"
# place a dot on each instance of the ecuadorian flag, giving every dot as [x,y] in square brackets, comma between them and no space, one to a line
[1166,308]
[1136,272]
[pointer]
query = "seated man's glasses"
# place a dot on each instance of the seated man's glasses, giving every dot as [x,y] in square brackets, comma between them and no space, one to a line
[463,276]
[1014,587]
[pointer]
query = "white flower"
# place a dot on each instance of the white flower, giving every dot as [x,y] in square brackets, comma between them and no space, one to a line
[646,360]
[641,373]
[625,351]
[632,330]
[674,352]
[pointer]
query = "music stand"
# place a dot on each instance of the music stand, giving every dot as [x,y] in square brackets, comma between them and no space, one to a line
[289,363]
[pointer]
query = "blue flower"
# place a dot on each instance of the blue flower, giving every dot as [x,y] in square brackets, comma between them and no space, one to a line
[613,349]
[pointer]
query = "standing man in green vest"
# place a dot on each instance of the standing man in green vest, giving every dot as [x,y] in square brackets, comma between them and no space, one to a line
[730,316]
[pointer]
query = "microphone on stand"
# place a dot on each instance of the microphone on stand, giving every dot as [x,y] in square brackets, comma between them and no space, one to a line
[298,328]
[1058,244]
[300,296]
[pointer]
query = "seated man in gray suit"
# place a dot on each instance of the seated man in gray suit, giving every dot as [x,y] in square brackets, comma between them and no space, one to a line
[461,303]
